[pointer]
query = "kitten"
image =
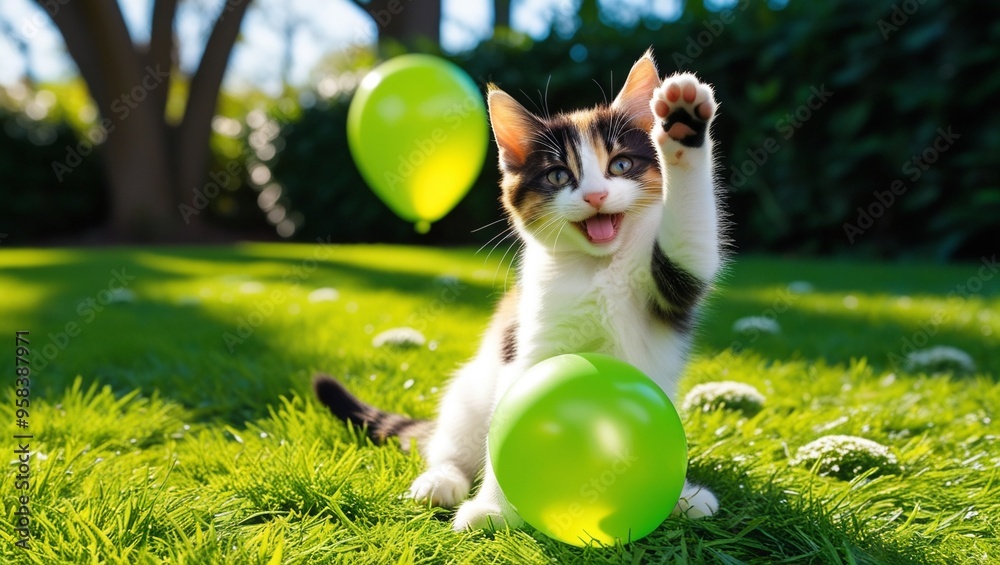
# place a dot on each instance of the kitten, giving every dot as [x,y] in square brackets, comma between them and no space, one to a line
[617,210]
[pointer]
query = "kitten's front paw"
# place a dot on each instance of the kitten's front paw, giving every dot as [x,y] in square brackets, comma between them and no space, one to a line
[683,107]
[484,515]
[443,485]
[696,502]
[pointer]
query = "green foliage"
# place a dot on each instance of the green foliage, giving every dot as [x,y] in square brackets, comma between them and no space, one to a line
[321,182]
[154,442]
[803,173]
[887,96]
[51,181]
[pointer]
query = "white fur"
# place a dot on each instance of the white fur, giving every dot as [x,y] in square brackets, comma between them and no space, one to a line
[575,296]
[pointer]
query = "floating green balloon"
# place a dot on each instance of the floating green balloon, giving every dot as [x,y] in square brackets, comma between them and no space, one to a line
[587,447]
[417,131]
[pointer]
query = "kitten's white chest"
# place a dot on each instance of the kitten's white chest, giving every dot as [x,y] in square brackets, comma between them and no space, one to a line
[581,309]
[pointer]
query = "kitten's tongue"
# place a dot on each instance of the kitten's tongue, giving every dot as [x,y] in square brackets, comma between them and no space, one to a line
[600,227]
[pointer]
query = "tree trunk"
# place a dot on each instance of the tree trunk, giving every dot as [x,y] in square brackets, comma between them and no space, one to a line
[192,151]
[150,172]
[135,152]
[501,13]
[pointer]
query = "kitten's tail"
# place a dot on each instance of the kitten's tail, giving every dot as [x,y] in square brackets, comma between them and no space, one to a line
[380,424]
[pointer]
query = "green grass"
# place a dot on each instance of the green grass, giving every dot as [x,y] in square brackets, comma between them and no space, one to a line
[154,442]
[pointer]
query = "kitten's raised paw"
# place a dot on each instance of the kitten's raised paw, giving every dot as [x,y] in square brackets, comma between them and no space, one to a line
[683,107]
[484,515]
[696,502]
[443,485]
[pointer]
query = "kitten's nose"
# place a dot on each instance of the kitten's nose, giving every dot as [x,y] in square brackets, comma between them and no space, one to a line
[596,199]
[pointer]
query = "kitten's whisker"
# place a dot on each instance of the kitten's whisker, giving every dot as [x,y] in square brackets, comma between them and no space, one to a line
[604,94]
[504,233]
[489,224]
[497,272]
[535,104]
[547,141]
[547,96]
[497,244]
[555,245]
[506,275]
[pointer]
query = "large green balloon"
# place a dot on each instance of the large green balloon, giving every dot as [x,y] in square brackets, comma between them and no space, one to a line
[417,131]
[587,447]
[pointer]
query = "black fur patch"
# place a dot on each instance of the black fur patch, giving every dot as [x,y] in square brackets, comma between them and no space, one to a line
[553,146]
[681,116]
[679,289]
[508,348]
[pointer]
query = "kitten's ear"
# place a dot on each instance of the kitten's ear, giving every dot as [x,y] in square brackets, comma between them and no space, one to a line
[638,91]
[513,126]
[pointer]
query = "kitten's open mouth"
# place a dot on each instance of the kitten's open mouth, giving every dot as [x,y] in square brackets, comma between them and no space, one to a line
[600,228]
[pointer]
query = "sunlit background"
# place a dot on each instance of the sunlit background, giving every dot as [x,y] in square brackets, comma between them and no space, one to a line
[823,109]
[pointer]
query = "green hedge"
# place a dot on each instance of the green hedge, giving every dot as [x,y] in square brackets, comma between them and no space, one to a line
[52,185]
[822,106]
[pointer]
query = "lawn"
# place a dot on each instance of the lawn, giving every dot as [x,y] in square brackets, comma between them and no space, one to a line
[172,421]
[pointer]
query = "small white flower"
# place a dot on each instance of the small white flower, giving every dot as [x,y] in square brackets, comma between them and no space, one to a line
[447,280]
[408,383]
[325,294]
[252,287]
[845,457]
[800,287]
[121,296]
[756,323]
[940,359]
[724,394]
[399,337]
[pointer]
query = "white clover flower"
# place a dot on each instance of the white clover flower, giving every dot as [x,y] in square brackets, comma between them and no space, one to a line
[252,287]
[121,296]
[399,337]
[752,324]
[845,457]
[325,294]
[724,394]
[800,287]
[940,359]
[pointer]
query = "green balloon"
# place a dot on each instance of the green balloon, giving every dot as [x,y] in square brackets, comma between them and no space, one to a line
[586,447]
[418,133]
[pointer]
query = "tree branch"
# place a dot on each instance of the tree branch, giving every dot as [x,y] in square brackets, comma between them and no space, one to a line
[98,41]
[161,49]
[192,148]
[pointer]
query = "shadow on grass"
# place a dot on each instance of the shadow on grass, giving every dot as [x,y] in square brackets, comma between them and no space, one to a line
[179,347]
[899,312]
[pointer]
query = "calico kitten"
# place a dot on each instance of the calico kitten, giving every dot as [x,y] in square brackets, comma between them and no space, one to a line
[617,210]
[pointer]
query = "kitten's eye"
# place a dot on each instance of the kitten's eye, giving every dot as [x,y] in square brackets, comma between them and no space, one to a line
[620,166]
[558,177]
